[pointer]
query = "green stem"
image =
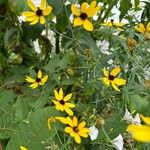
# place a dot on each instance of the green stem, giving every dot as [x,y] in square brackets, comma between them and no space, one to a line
[57,43]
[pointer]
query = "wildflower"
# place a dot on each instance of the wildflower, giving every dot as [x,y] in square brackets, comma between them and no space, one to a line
[40,80]
[118,142]
[140,132]
[93,133]
[142,29]
[37,13]
[74,128]
[110,78]
[84,13]
[61,102]
[23,148]
[112,24]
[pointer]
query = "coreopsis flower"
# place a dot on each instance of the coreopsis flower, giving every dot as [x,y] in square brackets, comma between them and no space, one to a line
[84,13]
[75,128]
[143,29]
[37,13]
[140,132]
[23,148]
[111,79]
[61,102]
[40,80]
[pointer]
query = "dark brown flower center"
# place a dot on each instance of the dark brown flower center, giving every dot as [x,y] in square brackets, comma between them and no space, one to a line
[38,80]
[39,12]
[112,20]
[62,102]
[75,129]
[111,77]
[83,16]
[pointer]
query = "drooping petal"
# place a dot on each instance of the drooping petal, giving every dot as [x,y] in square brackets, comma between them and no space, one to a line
[31,5]
[29,79]
[28,13]
[119,81]
[75,121]
[42,20]
[75,10]
[34,85]
[141,28]
[39,74]
[44,79]
[88,25]
[77,138]
[106,73]
[68,111]
[67,97]
[49,121]
[81,125]
[62,120]
[77,22]
[43,4]
[145,119]
[71,105]
[115,71]
[148,27]
[140,132]
[84,7]
[35,20]
[106,80]
[47,11]
[114,86]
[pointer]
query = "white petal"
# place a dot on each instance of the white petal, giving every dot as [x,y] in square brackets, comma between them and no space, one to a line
[118,142]
[127,116]
[136,119]
[93,133]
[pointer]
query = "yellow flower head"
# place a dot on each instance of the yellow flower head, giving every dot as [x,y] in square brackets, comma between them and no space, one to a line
[74,128]
[112,24]
[110,78]
[37,13]
[83,14]
[40,80]
[61,102]
[140,133]
[142,29]
[23,148]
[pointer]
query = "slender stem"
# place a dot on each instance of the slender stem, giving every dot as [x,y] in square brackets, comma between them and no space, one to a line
[57,43]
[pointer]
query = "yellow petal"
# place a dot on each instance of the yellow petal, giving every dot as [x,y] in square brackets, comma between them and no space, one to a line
[106,80]
[77,138]
[70,105]
[77,22]
[35,20]
[115,71]
[49,121]
[119,81]
[75,10]
[42,20]
[58,96]
[68,111]
[145,119]
[31,5]
[68,130]
[28,13]
[34,85]
[62,120]
[69,121]
[83,134]
[106,73]
[140,132]
[44,79]
[39,74]
[23,148]
[84,7]
[30,19]
[75,121]
[67,97]
[88,25]
[114,86]
[43,4]
[29,79]
[148,27]
[47,11]
[141,28]
[81,125]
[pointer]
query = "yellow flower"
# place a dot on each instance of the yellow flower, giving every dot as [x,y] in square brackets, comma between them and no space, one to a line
[142,29]
[37,13]
[23,148]
[74,128]
[140,133]
[110,78]
[40,80]
[83,14]
[61,102]
[112,24]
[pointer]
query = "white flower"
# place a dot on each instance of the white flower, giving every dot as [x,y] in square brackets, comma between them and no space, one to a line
[128,117]
[93,133]
[118,142]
